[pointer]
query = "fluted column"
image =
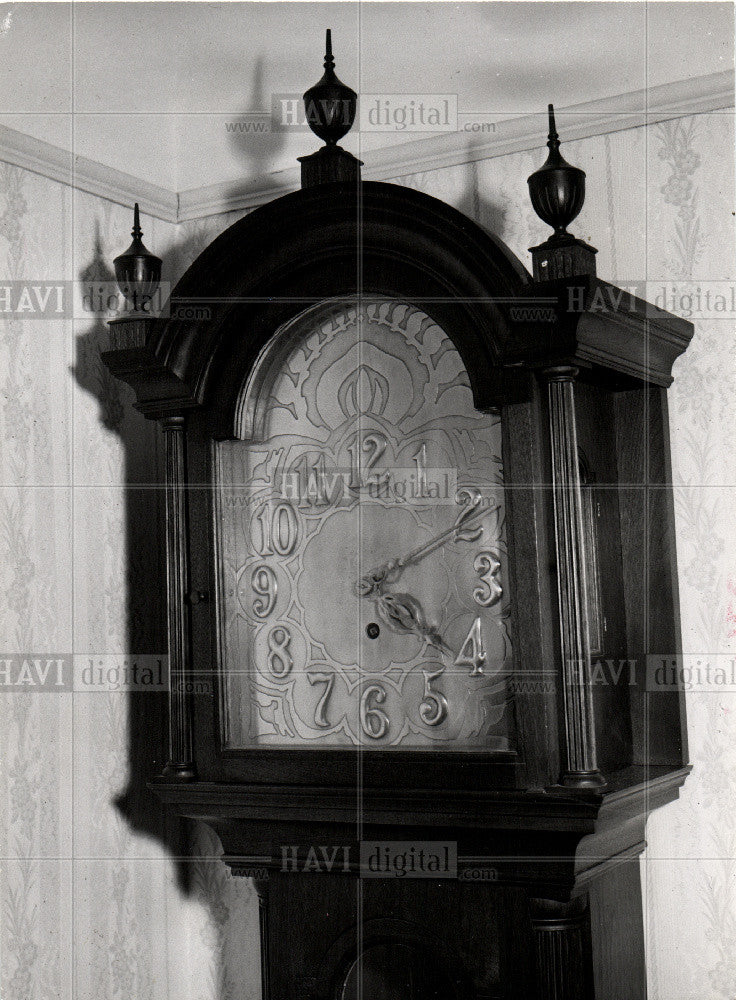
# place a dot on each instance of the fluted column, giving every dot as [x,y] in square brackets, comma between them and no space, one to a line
[562,949]
[262,886]
[180,765]
[582,767]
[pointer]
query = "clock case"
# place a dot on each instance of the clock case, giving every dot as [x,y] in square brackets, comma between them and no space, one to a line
[579,371]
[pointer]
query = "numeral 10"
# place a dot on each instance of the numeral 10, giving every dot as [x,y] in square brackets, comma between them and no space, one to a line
[278,529]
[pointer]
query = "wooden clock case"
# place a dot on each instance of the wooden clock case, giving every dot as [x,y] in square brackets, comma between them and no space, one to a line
[548,902]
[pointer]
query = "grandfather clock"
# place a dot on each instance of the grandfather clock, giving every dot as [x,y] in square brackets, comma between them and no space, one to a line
[420,546]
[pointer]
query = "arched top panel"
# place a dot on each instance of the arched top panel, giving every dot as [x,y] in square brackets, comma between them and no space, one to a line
[331,242]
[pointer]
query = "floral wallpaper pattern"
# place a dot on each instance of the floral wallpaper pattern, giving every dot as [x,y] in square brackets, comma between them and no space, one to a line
[93,903]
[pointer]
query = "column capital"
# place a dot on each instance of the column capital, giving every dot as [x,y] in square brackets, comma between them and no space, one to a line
[561,373]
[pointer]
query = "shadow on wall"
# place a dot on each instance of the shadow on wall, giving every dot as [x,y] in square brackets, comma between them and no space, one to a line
[231,911]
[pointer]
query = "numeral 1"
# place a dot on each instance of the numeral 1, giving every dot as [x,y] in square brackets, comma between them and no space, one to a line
[420,459]
[472,654]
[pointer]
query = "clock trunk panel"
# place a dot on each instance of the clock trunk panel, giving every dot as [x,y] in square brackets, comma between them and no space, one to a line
[359,520]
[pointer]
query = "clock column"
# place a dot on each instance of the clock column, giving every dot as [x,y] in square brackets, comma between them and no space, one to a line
[582,767]
[180,766]
[562,947]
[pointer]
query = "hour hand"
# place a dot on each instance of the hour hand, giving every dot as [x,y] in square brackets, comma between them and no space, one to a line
[403,613]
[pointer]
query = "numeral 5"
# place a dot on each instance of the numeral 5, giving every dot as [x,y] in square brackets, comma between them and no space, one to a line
[433,707]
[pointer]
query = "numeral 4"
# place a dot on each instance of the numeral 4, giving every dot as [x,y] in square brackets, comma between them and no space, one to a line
[472,652]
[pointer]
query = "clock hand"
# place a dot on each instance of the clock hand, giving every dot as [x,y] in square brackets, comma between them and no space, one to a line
[403,613]
[373,581]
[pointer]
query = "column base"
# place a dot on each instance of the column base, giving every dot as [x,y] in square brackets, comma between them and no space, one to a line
[178,772]
[583,779]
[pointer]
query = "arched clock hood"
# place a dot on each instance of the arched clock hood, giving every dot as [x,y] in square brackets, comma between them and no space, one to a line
[331,241]
[374,239]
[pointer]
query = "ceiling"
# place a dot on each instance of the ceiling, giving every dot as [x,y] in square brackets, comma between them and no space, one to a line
[149,88]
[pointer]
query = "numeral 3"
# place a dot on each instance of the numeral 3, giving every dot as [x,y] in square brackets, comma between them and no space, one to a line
[487,565]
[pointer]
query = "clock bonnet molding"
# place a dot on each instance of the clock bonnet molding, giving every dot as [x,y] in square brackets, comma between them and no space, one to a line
[478,713]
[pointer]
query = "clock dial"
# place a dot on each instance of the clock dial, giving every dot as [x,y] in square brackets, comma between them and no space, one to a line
[363,599]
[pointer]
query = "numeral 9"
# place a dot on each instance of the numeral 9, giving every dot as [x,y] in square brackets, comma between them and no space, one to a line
[265,587]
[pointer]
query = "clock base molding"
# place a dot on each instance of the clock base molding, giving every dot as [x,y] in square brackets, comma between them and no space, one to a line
[544,900]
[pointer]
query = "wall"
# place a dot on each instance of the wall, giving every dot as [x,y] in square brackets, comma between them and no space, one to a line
[94,905]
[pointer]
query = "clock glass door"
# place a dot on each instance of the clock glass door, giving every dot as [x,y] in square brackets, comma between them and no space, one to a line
[359,519]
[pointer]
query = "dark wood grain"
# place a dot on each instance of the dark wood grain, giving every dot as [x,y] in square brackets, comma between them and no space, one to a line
[611,670]
[649,571]
[538,713]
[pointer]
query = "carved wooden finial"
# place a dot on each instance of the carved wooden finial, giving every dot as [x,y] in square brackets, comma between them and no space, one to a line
[137,271]
[330,107]
[557,192]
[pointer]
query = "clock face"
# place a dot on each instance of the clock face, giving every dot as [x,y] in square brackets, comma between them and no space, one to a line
[363,598]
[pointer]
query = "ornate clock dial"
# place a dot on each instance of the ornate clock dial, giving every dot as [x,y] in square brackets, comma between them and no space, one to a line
[363,600]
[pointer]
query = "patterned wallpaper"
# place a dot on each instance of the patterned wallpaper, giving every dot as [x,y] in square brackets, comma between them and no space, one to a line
[93,904]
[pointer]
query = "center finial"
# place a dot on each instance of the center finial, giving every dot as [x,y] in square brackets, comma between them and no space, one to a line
[330,104]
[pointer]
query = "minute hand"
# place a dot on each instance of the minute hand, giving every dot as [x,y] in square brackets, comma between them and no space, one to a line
[389,572]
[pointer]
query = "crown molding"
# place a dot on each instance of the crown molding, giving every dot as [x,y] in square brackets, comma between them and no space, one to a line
[82,174]
[230,196]
[612,114]
[580,121]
